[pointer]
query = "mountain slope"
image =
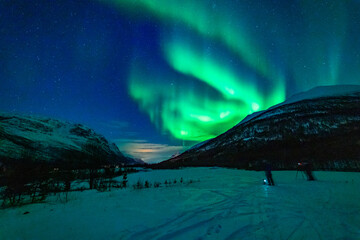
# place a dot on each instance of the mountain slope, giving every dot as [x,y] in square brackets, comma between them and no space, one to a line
[55,142]
[321,126]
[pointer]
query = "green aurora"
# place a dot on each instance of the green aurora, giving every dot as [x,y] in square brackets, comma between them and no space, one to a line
[243,57]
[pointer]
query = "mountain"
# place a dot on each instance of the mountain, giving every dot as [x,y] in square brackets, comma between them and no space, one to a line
[321,126]
[28,138]
[137,161]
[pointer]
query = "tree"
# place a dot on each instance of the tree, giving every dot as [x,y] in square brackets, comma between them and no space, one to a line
[124,181]
[95,157]
[27,176]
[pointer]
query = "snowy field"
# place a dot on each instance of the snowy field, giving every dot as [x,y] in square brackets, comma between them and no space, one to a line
[225,204]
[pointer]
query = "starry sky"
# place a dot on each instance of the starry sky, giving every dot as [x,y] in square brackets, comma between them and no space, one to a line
[156,76]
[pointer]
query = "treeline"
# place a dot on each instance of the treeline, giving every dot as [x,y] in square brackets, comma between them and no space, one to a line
[140,184]
[29,179]
[29,182]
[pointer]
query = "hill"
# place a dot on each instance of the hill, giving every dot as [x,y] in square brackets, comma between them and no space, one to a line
[29,138]
[321,126]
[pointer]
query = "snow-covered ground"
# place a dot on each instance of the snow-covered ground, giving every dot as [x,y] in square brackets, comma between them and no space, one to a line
[225,204]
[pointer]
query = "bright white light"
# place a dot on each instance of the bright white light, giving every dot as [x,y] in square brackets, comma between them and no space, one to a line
[184,132]
[230,90]
[224,114]
[255,106]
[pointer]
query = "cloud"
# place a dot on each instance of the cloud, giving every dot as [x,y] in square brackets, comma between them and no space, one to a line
[148,152]
[130,144]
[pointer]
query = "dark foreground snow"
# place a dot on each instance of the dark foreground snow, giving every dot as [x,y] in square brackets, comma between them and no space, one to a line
[225,204]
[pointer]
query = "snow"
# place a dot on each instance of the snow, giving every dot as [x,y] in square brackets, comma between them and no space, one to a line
[57,133]
[225,204]
[49,139]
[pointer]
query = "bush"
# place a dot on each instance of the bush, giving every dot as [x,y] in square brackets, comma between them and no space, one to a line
[124,181]
[26,179]
[139,185]
[147,184]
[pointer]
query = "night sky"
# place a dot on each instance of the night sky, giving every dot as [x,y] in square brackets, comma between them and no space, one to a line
[157,76]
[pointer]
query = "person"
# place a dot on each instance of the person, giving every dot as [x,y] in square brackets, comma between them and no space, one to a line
[306,168]
[308,171]
[268,174]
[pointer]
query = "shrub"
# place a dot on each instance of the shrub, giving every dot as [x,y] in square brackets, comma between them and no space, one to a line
[124,181]
[139,185]
[147,184]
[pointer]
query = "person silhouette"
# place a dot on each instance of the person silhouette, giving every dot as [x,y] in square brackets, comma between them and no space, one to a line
[308,171]
[268,174]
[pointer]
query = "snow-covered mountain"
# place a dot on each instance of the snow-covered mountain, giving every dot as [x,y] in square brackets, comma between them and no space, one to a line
[29,138]
[321,126]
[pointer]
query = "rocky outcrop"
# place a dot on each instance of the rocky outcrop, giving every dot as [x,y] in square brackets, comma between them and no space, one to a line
[323,129]
[28,138]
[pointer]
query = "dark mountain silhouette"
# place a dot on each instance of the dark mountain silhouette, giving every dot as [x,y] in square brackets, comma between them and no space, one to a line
[321,126]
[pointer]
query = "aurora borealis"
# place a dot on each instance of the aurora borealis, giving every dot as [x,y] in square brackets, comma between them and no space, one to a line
[159,76]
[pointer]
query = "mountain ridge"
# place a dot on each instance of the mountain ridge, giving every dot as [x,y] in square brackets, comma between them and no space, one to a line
[286,133]
[55,142]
